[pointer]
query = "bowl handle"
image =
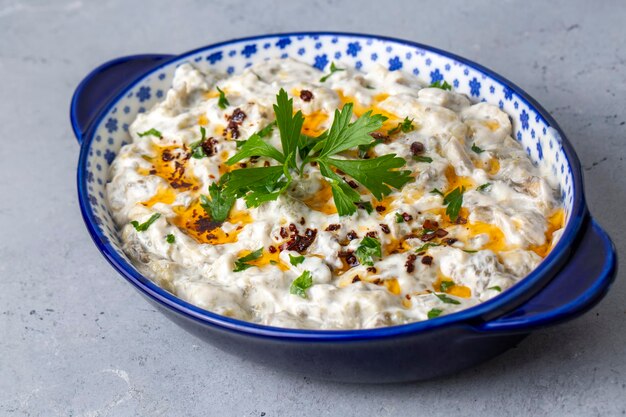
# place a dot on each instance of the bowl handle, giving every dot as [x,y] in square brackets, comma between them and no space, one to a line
[582,283]
[103,83]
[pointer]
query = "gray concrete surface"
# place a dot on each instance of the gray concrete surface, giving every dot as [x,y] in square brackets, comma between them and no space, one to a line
[76,340]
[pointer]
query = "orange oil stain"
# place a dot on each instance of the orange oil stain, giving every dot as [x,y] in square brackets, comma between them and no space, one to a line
[555,222]
[455,180]
[322,200]
[454,289]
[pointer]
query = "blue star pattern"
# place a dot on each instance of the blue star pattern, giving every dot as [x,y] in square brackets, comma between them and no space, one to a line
[111,132]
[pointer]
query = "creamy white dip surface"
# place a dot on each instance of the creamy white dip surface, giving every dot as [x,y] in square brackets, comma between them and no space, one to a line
[509,220]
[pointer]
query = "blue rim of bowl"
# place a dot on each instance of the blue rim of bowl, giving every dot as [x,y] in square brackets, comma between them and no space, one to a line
[500,304]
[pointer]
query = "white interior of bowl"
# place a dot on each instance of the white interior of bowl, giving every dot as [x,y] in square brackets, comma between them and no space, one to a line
[542,143]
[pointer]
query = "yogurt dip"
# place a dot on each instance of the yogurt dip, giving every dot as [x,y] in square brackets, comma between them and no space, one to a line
[454,213]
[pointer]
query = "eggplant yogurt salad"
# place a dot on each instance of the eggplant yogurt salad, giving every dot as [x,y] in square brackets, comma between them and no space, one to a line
[341,199]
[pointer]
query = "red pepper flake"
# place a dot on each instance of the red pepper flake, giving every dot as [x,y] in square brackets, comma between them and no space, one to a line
[351,183]
[410,263]
[441,233]
[271,249]
[417,148]
[356,278]
[430,225]
[238,116]
[406,217]
[283,233]
[461,220]
[306,95]
[351,260]
[209,146]
[300,243]
[352,235]
[380,209]
[371,269]
[242,165]
[205,224]
[167,156]
[449,241]
[377,281]
[293,228]
[379,135]
[408,296]
[302,221]
[427,237]
[373,234]
[385,228]
[427,260]
[333,227]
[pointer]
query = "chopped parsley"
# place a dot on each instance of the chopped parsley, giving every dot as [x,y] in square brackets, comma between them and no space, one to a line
[477,149]
[301,284]
[261,184]
[220,203]
[435,312]
[425,246]
[495,288]
[242,264]
[222,102]
[436,191]
[151,132]
[483,187]
[454,200]
[399,218]
[469,251]
[447,299]
[405,126]
[196,147]
[333,69]
[421,158]
[170,238]
[445,285]
[367,250]
[144,226]
[442,85]
[295,260]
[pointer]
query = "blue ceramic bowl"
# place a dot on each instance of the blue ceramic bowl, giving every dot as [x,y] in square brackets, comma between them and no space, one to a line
[573,277]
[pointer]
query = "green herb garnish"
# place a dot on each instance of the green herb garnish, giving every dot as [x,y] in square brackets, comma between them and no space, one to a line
[405,126]
[151,132]
[144,226]
[435,312]
[222,102]
[301,284]
[220,203]
[436,191]
[454,201]
[443,86]
[425,246]
[469,251]
[421,158]
[399,218]
[447,299]
[170,238]
[495,288]
[196,147]
[483,187]
[258,185]
[333,69]
[367,250]
[295,260]
[477,149]
[445,285]
[242,264]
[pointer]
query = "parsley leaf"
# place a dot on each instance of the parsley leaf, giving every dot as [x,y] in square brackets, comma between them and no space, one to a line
[267,130]
[222,102]
[399,218]
[196,147]
[469,251]
[454,201]
[367,250]
[242,264]
[421,158]
[447,299]
[255,146]
[435,312]
[425,247]
[144,226]
[301,284]
[344,135]
[375,174]
[445,285]
[439,84]
[289,125]
[151,132]
[436,191]
[477,149]
[220,203]
[170,238]
[483,187]
[495,288]
[405,126]
[344,196]
[295,260]
[333,69]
